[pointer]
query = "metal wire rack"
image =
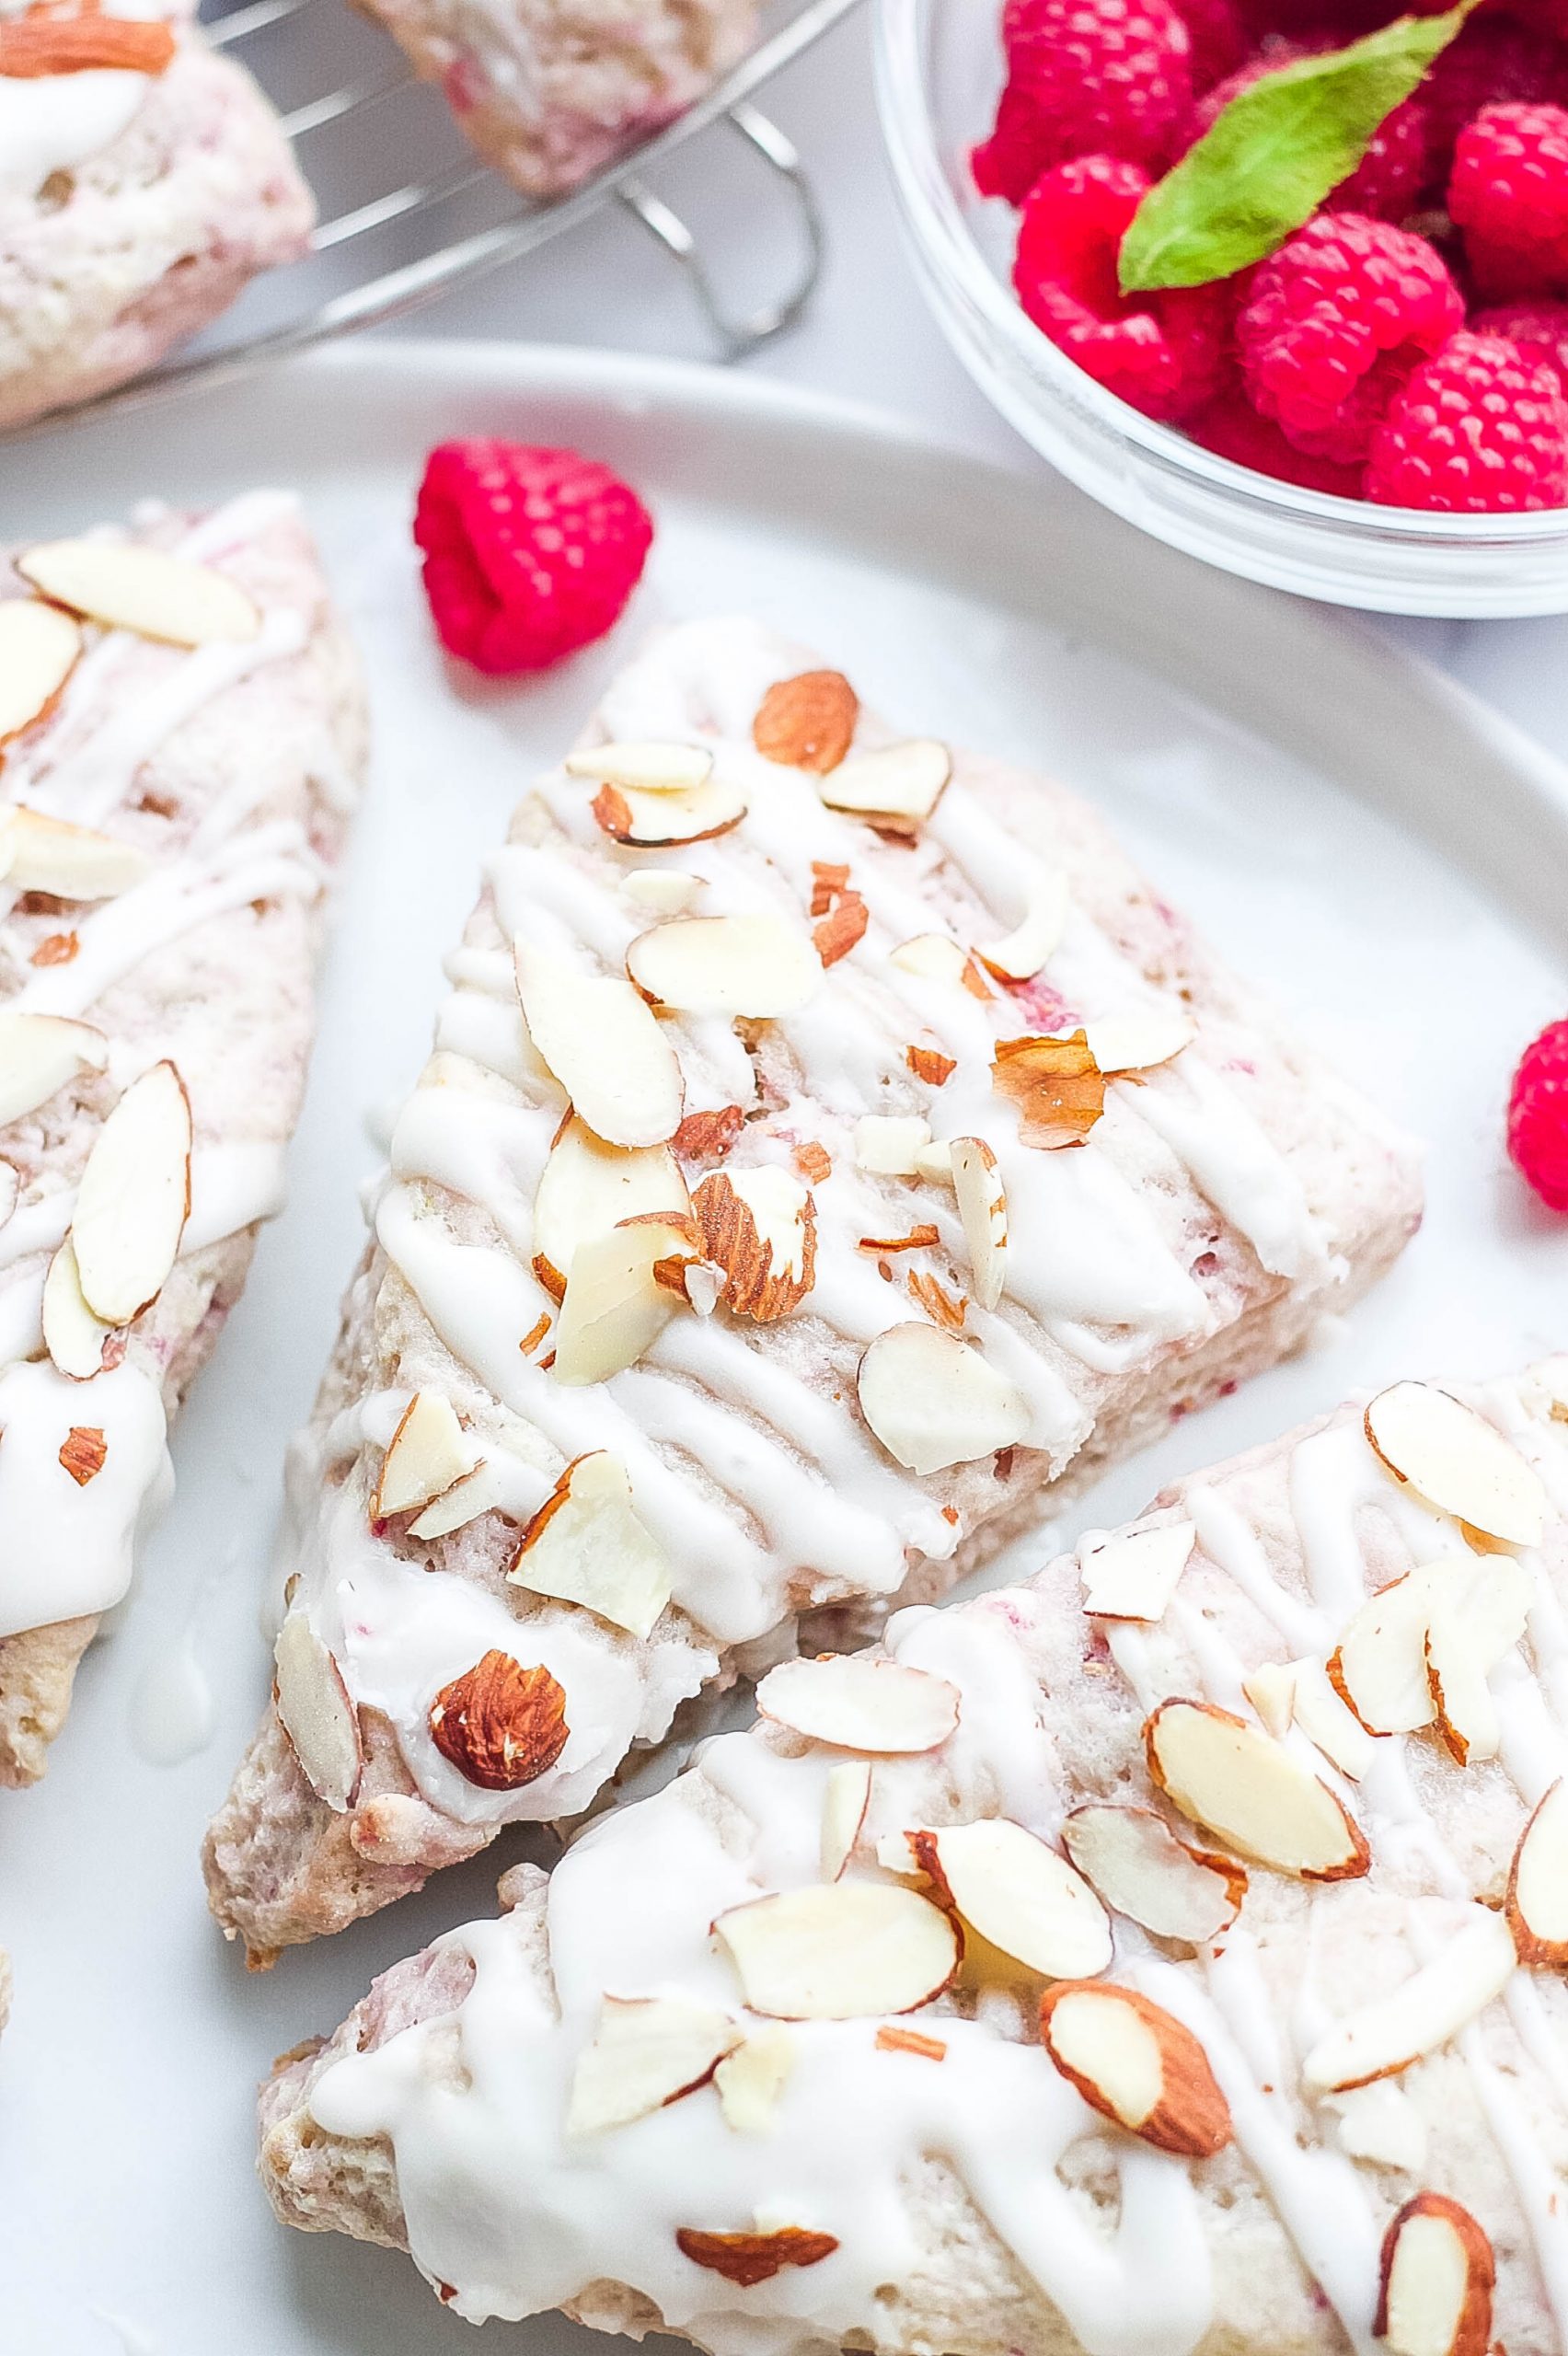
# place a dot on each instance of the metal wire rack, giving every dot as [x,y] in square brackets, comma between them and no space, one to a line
[390,170]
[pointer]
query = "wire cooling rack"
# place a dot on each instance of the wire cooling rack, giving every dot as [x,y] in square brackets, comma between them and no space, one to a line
[407,212]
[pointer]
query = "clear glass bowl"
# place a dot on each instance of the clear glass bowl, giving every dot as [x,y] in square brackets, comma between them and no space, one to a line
[938,70]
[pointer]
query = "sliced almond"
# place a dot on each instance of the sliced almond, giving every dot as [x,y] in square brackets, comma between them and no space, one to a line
[613,1307]
[646,2052]
[72,1334]
[1461,1700]
[40,1054]
[983,1207]
[896,1855]
[427,1455]
[933,1401]
[709,1136]
[500,1725]
[936,957]
[861,1703]
[840,1951]
[1020,953]
[1379,2123]
[846,1797]
[146,590]
[1380,1667]
[1537,1884]
[1123,1043]
[1436,2280]
[887,1143]
[898,786]
[934,1163]
[1240,1783]
[660,821]
[910,2041]
[750,2259]
[84,1452]
[807,722]
[750,2079]
[587,1545]
[316,1714]
[1440,1997]
[1020,1896]
[603,1046]
[645,765]
[589,1189]
[843,928]
[1140,1869]
[759,1227]
[478,1491]
[753,967]
[43,854]
[930,1065]
[1136,2063]
[1457,1460]
[665,890]
[38,647]
[1325,1718]
[1271,1689]
[134,1198]
[1134,1574]
[1056,1085]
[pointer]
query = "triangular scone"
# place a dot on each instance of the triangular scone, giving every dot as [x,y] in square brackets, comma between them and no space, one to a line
[1049,1981]
[174,791]
[805,1402]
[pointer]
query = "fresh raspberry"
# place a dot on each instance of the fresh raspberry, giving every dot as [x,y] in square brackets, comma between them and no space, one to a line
[1538,1116]
[1508,193]
[1232,429]
[528,554]
[1218,39]
[1166,354]
[1482,429]
[1085,76]
[1336,321]
[1491,63]
[1388,179]
[1540,330]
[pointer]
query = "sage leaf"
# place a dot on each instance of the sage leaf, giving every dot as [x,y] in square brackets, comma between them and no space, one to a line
[1270,157]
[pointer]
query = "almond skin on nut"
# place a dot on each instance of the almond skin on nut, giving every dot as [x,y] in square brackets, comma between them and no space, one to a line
[807,722]
[839,932]
[707,1137]
[83,1453]
[1190,2114]
[750,2259]
[1471,2326]
[500,1725]
[1057,1086]
[31,46]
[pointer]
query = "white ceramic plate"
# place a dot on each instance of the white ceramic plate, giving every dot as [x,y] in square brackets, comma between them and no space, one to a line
[1389,858]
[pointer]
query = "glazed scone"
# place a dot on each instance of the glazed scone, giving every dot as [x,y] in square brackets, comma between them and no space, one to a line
[134,205]
[808,1375]
[169,813]
[550,91]
[1049,1981]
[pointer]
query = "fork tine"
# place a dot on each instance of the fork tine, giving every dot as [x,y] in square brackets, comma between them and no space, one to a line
[379,210]
[336,103]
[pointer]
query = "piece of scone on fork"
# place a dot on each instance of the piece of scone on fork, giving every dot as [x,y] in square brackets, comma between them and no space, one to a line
[832,1149]
[181,735]
[1166,1954]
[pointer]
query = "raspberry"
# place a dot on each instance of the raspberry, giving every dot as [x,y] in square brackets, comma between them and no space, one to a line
[1085,76]
[1336,321]
[528,554]
[1491,63]
[1390,176]
[1166,354]
[1482,429]
[1540,330]
[1538,1116]
[1218,39]
[1232,429]
[1508,193]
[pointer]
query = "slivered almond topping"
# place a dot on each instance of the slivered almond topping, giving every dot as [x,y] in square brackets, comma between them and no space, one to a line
[887,1143]
[41,854]
[1326,1718]
[56,949]
[603,1046]
[936,957]
[660,821]
[1436,2281]
[38,644]
[933,1401]
[707,1137]
[839,932]
[500,1725]
[1140,1869]
[588,1188]
[73,1337]
[943,1308]
[759,1225]
[587,1545]
[1461,1700]
[1271,1689]
[909,2040]
[807,722]
[134,1198]
[1380,1667]
[665,891]
[34,45]
[1056,1085]
[814,1161]
[1015,1891]
[751,2258]
[1457,1460]
[1134,1575]
[920,1239]
[464,1502]
[750,2079]
[536,1333]
[930,1064]
[896,788]
[1019,955]
[1438,1999]
[427,1455]
[828,880]
[551,1276]
[84,1452]
[1240,1783]
[1537,1884]
[754,966]
[840,1951]
[1124,1043]
[861,1703]
[845,1797]
[646,2052]
[643,767]
[316,1714]
[145,590]
[1380,2123]
[983,1207]
[614,1306]
[1136,2063]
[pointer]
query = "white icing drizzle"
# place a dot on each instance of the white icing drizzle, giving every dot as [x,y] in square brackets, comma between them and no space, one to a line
[52,122]
[66,1549]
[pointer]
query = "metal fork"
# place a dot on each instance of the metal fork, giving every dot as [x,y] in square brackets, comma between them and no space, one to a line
[476,222]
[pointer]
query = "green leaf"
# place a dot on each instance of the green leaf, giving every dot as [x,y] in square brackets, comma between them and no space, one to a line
[1267,161]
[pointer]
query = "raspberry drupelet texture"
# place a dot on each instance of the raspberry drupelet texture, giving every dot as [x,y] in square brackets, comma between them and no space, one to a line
[1482,428]
[1539,329]
[529,553]
[1334,323]
[1166,354]
[1538,1116]
[1085,76]
[1232,429]
[1508,193]
[1491,63]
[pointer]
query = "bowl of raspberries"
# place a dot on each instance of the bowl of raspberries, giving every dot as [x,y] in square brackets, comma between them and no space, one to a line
[1284,282]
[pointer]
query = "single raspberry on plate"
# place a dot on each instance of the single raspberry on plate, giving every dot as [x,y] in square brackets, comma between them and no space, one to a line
[529,553]
[1538,1116]
[1166,354]
[1491,63]
[1482,428]
[1085,76]
[1334,322]
[1508,193]
[1540,330]
[1392,173]
[1232,429]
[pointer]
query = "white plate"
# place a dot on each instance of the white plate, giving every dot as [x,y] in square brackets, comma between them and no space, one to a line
[1387,858]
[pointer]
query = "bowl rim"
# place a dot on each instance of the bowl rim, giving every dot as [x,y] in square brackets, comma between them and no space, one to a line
[933,211]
